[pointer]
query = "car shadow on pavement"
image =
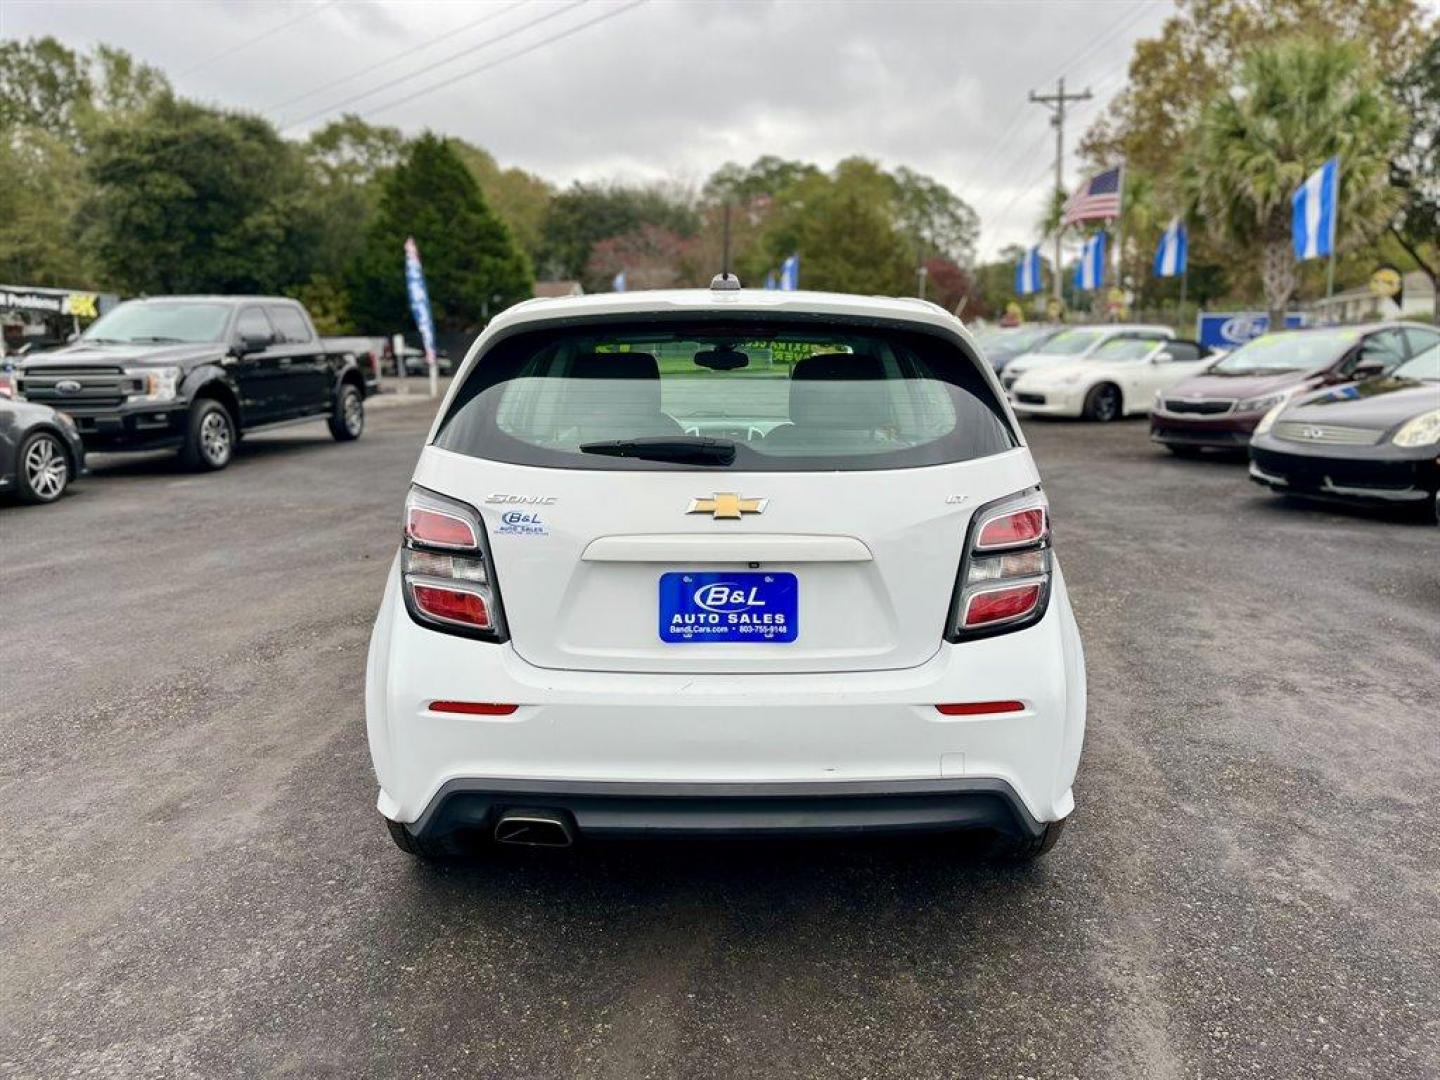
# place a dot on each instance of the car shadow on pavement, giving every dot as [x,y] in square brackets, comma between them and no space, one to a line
[167,462]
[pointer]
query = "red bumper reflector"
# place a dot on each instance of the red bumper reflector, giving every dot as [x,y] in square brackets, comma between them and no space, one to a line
[452,604]
[473,708]
[980,708]
[998,604]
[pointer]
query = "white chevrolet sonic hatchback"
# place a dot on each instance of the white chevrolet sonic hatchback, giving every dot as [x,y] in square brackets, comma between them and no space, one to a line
[724,561]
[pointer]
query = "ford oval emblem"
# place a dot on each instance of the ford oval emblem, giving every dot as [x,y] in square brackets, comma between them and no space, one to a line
[67,386]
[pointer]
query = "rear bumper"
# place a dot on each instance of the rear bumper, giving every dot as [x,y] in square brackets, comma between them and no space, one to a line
[653,809]
[712,748]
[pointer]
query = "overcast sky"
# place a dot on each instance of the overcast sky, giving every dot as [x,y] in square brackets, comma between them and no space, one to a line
[656,89]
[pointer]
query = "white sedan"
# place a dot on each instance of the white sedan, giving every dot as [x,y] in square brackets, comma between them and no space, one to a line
[1120,378]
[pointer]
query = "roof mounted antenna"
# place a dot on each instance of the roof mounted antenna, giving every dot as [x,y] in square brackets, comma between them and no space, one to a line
[725,279]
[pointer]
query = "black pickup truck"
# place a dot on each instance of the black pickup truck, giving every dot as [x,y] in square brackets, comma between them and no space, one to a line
[195,372]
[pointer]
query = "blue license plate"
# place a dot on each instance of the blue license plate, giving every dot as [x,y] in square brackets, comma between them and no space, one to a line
[735,607]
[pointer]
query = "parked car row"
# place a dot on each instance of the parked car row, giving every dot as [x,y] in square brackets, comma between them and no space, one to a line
[1348,413]
[190,373]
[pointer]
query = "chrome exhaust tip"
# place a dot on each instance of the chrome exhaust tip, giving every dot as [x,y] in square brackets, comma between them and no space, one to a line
[534,828]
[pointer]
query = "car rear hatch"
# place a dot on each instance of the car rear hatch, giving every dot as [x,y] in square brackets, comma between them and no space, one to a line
[831,541]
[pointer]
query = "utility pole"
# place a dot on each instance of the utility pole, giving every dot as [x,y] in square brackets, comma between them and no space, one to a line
[1056,103]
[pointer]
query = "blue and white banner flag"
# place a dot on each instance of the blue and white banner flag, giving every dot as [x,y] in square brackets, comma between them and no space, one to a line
[790,273]
[1313,212]
[1090,270]
[770,282]
[419,298]
[1174,249]
[618,283]
[1027,273]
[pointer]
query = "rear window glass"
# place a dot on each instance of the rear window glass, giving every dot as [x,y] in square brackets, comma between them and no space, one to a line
[752,397]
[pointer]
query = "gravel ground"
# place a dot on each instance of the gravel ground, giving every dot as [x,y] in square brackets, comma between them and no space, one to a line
[194,882]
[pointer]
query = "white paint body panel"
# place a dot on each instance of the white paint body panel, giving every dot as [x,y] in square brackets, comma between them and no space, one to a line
[602,698]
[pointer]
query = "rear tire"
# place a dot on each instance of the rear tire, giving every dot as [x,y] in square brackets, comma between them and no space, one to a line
[210,437]
[42,468]
[347,419]
[1103,403]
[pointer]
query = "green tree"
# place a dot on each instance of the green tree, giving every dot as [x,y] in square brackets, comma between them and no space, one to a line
[763,178]
[584,214]
[519,197]
[191,199]
[40,200]
[49,87]
[847,231]
[345,164]
[1415,170]
[943,223]
[468,253]
[1297,103]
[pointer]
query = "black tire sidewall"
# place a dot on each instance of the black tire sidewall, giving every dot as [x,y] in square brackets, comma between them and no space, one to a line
[1093,399]
[194,452]
[22,482]
[337,418]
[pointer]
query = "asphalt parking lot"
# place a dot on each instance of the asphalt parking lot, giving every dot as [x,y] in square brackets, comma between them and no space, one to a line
[195,882]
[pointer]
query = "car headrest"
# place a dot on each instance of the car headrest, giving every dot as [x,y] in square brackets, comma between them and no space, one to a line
[622,386]
[617,365]
[839,390]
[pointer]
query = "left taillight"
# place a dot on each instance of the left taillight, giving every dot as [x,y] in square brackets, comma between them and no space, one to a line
[447,575]
[1004,581]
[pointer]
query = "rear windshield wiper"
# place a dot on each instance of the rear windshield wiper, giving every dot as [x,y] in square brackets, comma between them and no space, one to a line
[685,449]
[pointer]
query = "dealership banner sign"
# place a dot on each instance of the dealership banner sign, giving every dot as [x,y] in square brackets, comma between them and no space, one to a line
[1227,329]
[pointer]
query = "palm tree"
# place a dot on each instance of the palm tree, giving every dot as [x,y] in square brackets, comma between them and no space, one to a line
[1297,103]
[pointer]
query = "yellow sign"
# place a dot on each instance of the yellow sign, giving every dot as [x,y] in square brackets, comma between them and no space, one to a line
[80,304]
[726,504]
[1386,281]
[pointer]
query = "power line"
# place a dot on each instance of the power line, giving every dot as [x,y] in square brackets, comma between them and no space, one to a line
[371,68]
[1126,20]
[439,64]
[507,57]
[233,49]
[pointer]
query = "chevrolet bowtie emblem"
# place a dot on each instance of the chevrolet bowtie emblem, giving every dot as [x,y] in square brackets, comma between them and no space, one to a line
[726,504]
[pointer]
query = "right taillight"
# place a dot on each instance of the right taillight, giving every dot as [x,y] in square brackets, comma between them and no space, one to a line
[1004,581]
[447,576]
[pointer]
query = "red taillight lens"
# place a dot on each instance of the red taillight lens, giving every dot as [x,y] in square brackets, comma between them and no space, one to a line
[445,567]
[452,605]
[473,708]
[435,528]
[1000,605]
[1012,530]
[1004,580]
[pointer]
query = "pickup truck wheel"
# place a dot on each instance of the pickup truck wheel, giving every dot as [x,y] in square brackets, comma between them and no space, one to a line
[44,468]
[348,419]
[210,440]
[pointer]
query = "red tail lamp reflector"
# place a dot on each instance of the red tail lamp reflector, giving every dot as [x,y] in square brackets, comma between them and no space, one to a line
[442,530]
[980,708]
[473,708]
[452,605]
[1000,605]
[1010,530]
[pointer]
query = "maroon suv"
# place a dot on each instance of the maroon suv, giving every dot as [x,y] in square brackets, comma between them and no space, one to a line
[1219,408]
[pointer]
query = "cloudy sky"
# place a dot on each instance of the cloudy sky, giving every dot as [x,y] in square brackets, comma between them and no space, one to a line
[663,89]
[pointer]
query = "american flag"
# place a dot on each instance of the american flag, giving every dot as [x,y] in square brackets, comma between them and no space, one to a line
[1096,199]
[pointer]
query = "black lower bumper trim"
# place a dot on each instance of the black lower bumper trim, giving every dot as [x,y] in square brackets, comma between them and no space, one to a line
[726,809]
